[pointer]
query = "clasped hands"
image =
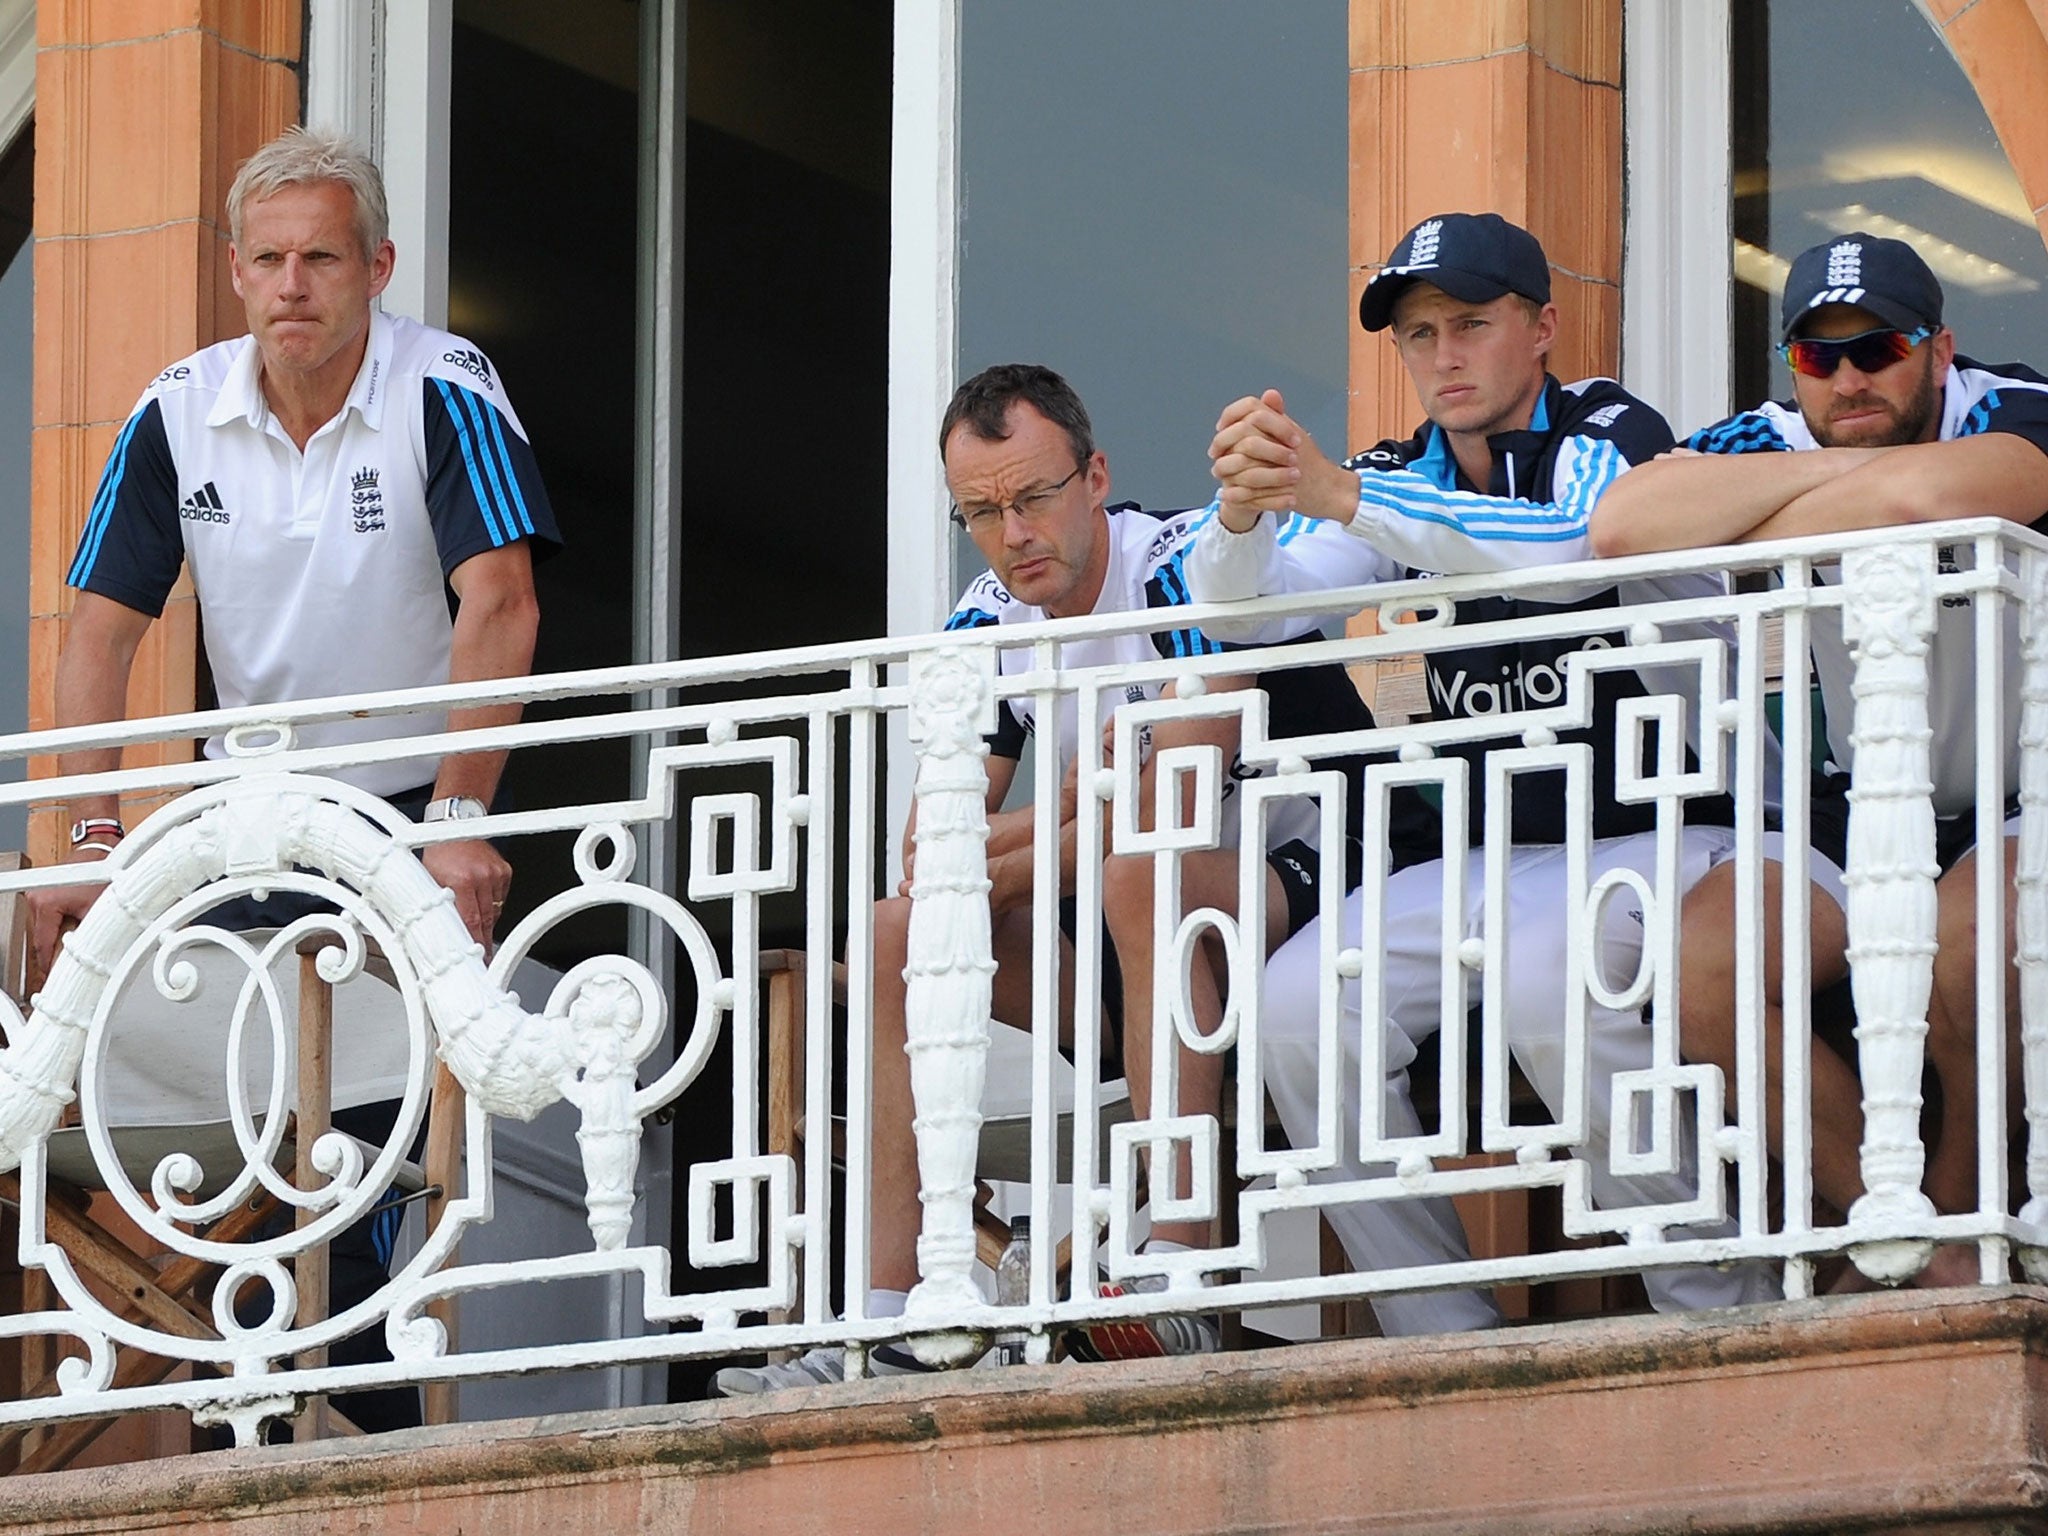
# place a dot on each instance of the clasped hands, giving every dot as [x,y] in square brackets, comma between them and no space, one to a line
[1265,462]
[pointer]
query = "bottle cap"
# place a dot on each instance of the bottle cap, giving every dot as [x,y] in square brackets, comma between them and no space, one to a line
[1020,1226]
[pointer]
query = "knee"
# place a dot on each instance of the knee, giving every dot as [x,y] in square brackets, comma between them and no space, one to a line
[892,922]
[1955,940]
[1706,955]
[1127,899]
[1293,995]
[892,940]
[1952,1022]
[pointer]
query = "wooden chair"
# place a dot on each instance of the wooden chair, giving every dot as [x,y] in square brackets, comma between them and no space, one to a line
[177,1297]
[1005,1153]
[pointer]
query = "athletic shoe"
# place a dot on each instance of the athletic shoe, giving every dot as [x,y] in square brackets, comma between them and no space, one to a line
[813,1368]
[1197,1333]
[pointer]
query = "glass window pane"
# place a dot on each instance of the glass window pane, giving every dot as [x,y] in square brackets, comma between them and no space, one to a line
[1888,137]
[1156,208]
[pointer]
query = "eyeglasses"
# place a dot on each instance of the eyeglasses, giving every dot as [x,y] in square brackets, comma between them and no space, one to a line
[983,517]
[1870,351]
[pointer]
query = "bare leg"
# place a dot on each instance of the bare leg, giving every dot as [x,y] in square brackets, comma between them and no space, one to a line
[1207,879]
[1706,1020]
[1952,1031]
[896,1217]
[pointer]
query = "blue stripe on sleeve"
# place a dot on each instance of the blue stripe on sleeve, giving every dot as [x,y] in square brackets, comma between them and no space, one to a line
[1461,510]
[478,488]
[496,423]
[492,468]
[1173,585]
[102,513]
[1598,467]
[1747,433]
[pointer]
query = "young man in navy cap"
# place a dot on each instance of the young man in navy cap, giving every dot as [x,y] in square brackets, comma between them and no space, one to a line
[1504,474]
[1887,424]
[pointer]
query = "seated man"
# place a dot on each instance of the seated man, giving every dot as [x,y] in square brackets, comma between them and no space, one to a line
[1030,487]
[1503,474]
[1887,424]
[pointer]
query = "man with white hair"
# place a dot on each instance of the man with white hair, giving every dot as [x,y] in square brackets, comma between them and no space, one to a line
[326,480]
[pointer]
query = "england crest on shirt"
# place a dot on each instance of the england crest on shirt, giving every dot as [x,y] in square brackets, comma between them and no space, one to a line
[366,501]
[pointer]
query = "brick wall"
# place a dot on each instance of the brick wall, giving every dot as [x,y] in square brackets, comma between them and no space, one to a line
[144,108]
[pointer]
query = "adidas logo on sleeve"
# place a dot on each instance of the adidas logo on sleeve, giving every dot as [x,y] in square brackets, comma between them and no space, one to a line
[471,362]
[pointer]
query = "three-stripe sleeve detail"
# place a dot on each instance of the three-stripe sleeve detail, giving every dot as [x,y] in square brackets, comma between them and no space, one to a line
[493,480]
[102,514]
[1407,494]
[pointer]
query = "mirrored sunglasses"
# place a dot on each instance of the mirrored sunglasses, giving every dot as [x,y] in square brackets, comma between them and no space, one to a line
[1869,351]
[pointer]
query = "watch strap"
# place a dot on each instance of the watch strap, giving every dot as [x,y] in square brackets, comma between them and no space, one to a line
[455,808]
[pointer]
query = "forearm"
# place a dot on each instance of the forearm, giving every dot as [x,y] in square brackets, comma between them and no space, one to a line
[1222,567]
[1010,830]
[1408,518]
[1697,501]
[1013,876]
[91,689]
[494,637]
[1989,475]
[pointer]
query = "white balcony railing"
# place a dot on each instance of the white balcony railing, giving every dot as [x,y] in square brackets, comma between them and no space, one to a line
[611,1043]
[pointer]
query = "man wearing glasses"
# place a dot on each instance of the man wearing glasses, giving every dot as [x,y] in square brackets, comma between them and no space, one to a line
[1031,489]
[1888,424]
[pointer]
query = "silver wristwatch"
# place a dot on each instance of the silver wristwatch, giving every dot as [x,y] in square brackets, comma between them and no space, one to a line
[455,808]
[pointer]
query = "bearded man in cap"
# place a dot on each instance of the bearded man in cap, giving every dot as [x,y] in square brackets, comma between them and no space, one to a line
[1887,424]
[1502,475]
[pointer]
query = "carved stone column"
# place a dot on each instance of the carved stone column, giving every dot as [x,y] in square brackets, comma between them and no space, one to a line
[1888,618]
[950,979]
[2031,883]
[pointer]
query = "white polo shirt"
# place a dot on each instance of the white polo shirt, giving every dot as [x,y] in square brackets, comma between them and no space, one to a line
[322,572]
[1146,553]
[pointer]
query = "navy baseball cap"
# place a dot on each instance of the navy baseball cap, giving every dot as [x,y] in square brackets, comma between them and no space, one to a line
[1471,256]
[1886,277]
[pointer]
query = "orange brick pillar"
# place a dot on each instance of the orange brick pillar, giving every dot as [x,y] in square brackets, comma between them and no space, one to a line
[1511,107]
[2002,46]
[143,112]
[1508,106]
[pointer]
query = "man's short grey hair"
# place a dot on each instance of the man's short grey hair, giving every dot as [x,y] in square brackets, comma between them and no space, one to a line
[303,156]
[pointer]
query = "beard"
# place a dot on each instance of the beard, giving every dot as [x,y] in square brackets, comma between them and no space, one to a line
[1911,422]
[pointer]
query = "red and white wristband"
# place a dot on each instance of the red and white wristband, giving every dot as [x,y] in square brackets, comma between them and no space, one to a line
[101,832]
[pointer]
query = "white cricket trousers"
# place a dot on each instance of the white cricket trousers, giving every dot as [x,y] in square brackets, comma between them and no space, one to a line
[1407,1233]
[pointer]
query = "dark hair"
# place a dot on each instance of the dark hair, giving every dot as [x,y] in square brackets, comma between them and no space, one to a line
[983,404]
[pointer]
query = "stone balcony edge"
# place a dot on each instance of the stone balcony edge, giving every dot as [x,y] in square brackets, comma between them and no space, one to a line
[1837,1414]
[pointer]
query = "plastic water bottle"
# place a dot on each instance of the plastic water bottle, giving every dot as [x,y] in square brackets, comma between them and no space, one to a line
[1013,1286]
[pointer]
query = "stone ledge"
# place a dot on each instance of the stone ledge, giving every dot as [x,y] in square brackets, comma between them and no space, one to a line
[1851,1414]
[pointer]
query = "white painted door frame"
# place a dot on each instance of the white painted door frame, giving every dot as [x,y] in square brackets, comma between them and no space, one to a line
[380,71]
[1678,260]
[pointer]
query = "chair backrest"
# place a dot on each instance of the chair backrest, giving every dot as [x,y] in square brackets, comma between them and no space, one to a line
[13,931]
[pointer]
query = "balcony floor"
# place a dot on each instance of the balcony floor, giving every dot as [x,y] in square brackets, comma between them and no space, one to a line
[1921,1411]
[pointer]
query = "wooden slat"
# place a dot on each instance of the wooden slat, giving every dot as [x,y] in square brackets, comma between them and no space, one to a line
[316,1118]
[441,1399]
